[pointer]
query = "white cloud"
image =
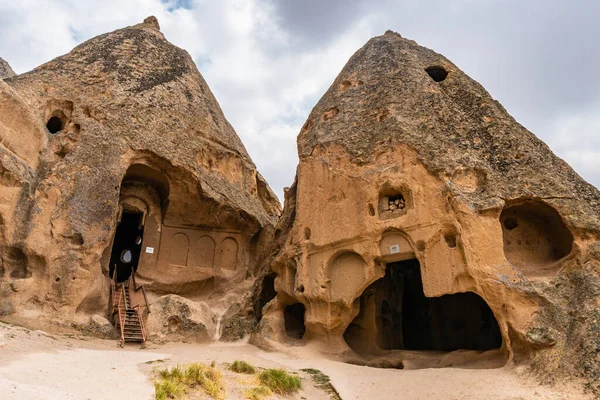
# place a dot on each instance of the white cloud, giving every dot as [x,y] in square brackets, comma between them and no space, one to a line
[576,138]
[268,66]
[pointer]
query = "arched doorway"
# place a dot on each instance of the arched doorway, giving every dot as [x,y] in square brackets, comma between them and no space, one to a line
[143,199]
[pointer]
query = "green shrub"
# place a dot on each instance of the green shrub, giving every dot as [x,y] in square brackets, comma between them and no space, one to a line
[279,381]
[242,367]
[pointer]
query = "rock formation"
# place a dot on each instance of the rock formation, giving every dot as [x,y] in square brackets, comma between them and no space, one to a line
[5,70]
[118,152]
[425,227]
[424,217]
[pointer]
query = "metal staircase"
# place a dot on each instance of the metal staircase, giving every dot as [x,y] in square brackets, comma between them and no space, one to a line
[128,318]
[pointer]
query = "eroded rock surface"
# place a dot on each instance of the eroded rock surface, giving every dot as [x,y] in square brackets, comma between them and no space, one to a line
[424,217]
[117,155]
[174,318]
[425,227]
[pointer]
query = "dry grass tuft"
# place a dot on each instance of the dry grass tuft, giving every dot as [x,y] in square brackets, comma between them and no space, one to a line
[257,393]
[175,382]
[280,381]
[242,367]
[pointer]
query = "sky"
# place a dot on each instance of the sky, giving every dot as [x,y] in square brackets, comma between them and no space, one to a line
[269,61]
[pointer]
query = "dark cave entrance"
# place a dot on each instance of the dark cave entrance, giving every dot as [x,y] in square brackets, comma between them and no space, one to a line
[395,314]
[294,320]
[267,293]
[127,245]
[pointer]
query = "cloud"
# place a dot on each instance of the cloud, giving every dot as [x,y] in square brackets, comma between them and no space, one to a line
[268,62]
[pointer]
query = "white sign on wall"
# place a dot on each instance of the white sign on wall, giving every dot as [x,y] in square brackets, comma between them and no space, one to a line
[150,250]
[395,249]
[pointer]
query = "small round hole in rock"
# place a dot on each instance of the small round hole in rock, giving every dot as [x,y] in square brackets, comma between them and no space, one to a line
[437,73]
[301,288]
[307,233]
[57,280]
[510,223]
[450,239]
[54,124]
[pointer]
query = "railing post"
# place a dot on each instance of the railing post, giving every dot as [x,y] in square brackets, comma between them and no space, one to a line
[133,278]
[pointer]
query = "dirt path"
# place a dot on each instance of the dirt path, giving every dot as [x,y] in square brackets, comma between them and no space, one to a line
[34,365]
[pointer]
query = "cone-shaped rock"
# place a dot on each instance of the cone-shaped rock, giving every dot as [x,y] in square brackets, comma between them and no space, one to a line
[424,217]
[5,70]
[117,157]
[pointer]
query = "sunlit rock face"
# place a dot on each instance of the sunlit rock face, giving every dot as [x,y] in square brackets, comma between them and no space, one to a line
[425,227]
[117,155]
[424,217]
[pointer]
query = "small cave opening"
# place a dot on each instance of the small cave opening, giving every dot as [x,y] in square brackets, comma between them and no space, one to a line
[16,262]
[54,124]
[535,238]
[510,223]
[267,293]
[450,239]
[392,202]
[293,316]
[395,314]
[307,233]
[437,73]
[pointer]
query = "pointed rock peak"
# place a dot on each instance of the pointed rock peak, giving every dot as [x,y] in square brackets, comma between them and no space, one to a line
[5,70]
[391,32]
[153,22]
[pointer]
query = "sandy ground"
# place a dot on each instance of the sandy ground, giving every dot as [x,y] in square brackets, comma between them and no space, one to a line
[36,365]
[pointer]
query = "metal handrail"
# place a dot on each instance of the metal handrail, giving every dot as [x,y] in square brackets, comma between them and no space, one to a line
[121,316]
[120,306]
[142,326]
[140,315]
[136,288]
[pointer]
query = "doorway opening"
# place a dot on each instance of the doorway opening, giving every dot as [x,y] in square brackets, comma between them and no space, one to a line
[294,320]
[396,315]
[127,246]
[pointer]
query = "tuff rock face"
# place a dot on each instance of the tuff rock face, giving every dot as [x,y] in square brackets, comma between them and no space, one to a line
[5,70]
[117,139]
[425,227]
[424,217]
